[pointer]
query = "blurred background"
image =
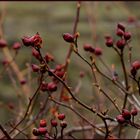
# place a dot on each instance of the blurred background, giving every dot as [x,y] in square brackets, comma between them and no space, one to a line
[51,20]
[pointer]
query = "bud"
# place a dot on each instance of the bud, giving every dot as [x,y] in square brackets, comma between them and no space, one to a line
[131,19]
[16,46]
[98,51]
[35,53]
[44,86]
[42,130]
[127,35]
[27,41]
[60,74]
[134,111]
[22,82]
[63,124]
[68,37]
[88,47]
[3,43]
[59,67]
[43,123]
[136,65]
[121,26]
[36,40]
[35,132]
[119,32]
[133,72]
[120,43]
[82,74]
[61,116]
[109,42]
[5,62]
[54,123]
[126,114]
[52,86]
[35,68]
[120,119]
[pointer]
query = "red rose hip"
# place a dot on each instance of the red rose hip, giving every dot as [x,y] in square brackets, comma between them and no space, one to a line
[134,111]
[42,130]
[54,123]
[126,114]
[136,65]
[68,37]
[43,123]
[120,119]
[61,116]
[3,43]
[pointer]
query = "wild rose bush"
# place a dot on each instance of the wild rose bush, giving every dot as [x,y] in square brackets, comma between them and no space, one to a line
[56,110]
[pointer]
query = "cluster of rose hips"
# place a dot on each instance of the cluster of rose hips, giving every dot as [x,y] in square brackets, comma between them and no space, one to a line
[124,38]
[36,42]
[87,47]
[42,130]
[15,46]
[52,86]
[63,123]
[126,115]
[3,43]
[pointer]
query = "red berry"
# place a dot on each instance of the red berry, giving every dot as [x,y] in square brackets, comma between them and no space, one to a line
[133,72]
[82,74]
[134,111]
[3,43]
[27,41]
[59,67]
[11,105]
[44,86]
[43,123]
[120,119]
[109,42]
[88,47]
[35,132]
[63,124]
[35,53]
[120,43]
[22,82]
[68,37]
[60,73]
[98,51]
[127,35]
[54,123]
[136,65]
[36,40]
[5,61]
[126,114]
[35,68]
[131,19]
[52,86]
[61,116]
[121,26]
[42,130]
[119,32]
[16,45]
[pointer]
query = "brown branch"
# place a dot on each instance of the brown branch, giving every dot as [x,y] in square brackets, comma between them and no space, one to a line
[4,132]
[29,105]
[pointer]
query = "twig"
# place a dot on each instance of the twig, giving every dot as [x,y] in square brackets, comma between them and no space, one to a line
[4,132]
